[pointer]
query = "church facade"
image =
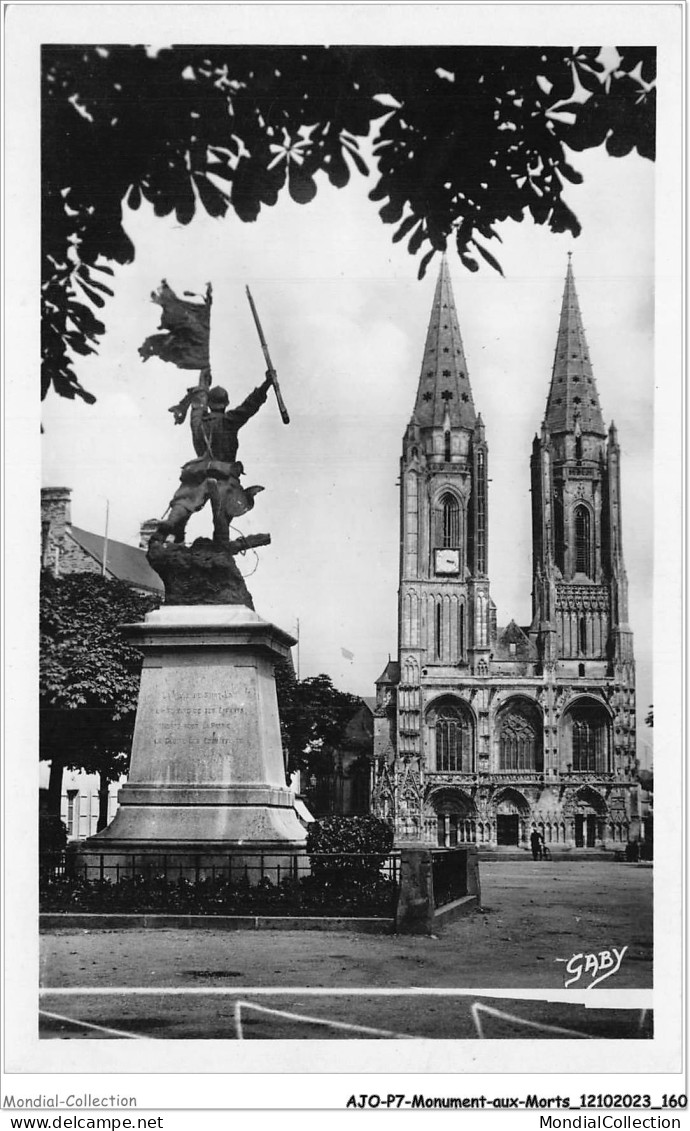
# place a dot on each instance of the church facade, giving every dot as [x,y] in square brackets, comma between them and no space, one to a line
[485,734]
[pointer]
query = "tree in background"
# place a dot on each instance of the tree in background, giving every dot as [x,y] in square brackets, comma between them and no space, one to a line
[314,717]
[89,679]
[462,138]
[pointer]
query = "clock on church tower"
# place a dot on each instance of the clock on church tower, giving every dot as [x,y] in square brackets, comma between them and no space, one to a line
[447,562]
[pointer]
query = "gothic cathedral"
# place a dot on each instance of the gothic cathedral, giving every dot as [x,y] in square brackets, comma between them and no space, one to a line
[483,733]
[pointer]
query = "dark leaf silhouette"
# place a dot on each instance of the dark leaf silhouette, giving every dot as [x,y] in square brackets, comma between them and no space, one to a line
[356,158]
[462,139]
[490,259]
[407,225]
[214,201]
[425,261]
[301,185]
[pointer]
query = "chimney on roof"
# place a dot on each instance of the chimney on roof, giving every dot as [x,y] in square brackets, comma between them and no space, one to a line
[56,517]
[146,530]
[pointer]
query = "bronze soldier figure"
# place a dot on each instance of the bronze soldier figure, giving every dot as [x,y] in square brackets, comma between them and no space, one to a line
[215,474]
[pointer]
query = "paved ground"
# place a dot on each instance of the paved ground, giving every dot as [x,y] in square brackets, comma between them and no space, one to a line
[534,917]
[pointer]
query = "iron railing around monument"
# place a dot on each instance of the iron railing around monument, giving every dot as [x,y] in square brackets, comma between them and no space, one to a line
[257,883]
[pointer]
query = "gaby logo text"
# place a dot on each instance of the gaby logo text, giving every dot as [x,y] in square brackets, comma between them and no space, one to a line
[599,965]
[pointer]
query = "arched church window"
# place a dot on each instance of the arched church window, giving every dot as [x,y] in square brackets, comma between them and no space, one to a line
[582,635]
[583,549]
[584,745]
[559,527]
[452,728]
[590,738]
[520,745]
[446,447]
[448,533]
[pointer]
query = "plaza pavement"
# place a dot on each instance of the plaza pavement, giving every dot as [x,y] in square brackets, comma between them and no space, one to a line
[534,916]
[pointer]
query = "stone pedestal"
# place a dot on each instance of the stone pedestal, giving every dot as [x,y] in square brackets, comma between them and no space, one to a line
[207,775]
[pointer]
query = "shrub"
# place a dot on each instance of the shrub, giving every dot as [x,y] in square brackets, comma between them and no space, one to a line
[217,896]
[343,849]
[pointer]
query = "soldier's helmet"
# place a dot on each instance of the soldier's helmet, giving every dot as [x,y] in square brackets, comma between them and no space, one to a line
[217,397]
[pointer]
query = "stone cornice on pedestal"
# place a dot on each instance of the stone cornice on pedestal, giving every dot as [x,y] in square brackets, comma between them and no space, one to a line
[206,626]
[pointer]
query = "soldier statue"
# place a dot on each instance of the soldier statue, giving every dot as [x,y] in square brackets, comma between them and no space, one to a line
[215,474]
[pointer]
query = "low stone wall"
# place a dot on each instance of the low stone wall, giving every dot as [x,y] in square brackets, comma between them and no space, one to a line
[51,921]
[436,886]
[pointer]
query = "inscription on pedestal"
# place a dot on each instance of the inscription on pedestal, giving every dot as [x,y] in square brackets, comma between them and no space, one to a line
[205,725]
[207,772]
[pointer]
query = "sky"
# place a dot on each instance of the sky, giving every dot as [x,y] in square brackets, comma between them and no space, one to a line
[345,319]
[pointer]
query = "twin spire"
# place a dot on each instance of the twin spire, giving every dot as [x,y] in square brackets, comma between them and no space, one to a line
[444,388]
[444,393]
[573,401]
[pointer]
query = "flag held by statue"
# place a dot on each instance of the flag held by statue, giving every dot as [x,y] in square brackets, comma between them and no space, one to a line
[186,328]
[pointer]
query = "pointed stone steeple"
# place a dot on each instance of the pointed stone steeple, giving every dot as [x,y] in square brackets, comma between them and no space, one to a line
[573,402]
[444,387]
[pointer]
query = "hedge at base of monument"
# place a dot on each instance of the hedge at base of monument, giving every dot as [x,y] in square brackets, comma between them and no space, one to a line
[347,870]
[152,891]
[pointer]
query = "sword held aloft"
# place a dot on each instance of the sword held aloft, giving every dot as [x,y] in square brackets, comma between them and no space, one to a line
[270,371]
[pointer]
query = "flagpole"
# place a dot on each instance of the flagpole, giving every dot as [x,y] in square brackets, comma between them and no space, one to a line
[298,649]
[105,539]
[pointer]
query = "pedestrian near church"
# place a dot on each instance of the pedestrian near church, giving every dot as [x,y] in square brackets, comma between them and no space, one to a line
[535,841]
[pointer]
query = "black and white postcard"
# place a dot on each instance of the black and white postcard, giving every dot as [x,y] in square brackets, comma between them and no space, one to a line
[343,558]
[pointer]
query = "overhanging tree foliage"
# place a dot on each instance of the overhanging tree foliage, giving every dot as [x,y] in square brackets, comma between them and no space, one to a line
[89,678]
[466,137]
[313,718]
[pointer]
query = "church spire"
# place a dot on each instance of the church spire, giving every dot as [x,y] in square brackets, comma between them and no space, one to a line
[444,387]
[573,402]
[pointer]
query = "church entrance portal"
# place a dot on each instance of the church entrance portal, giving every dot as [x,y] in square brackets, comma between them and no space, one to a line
[455,818]
[585,830]
[512,812]
[507,828]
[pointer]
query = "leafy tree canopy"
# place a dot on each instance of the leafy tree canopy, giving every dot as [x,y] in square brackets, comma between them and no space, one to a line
[313,718]
[89,675]
[466,137]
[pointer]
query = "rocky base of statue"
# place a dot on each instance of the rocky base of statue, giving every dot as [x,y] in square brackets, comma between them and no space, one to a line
[204,573]
[207,776]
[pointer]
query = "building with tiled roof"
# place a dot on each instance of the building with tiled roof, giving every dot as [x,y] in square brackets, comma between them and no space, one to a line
[69,549]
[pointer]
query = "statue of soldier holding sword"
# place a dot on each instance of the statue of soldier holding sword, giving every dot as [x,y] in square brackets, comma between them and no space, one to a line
[214,475]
